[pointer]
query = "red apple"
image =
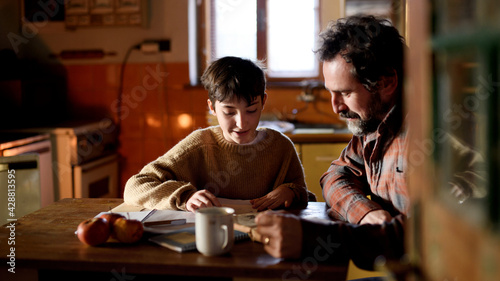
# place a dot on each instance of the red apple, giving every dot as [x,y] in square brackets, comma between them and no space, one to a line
[127,231]
[111,218]
[93,231]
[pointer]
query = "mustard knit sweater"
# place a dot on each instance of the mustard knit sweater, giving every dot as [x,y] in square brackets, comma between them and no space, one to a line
[205,160]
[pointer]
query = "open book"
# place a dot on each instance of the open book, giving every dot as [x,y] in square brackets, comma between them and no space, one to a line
[184,240]
[246,223]
[244,219]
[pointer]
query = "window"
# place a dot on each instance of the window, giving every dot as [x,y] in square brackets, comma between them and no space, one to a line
[281,33]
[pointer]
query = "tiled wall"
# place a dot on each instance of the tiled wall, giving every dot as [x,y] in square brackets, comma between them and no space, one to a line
[159,109]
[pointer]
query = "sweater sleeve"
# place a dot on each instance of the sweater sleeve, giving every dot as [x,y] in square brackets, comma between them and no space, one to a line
[337,241]
[345,185]
[297,182]
[293,176]
[167,182]
[155,187]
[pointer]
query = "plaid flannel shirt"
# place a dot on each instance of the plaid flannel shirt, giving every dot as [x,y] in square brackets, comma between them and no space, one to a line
[373,165]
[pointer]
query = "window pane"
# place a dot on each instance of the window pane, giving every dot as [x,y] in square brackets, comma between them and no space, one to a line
[235,30]
[292,28]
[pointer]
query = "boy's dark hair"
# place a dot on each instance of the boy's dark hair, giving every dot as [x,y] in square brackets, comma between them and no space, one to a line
[230,77]
[372,45]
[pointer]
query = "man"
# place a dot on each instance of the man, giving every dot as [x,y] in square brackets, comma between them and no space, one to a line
[363,69]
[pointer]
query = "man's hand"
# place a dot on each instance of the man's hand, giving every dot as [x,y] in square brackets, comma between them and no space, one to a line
[201,199]
[282,196]
[376,217]
[281,234]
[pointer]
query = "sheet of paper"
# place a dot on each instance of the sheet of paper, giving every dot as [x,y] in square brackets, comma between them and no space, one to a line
[132,215]
[167,228]
[161,215]
[142,214]
[247,219]
[239,206]
[124,207]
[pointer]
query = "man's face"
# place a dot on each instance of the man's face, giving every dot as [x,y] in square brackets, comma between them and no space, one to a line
[362,110]
[237,119]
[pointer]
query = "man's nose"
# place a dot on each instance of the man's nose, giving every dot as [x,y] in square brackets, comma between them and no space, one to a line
[338,104]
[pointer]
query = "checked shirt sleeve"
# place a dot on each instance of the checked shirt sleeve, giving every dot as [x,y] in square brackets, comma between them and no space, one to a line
[345,185]
[336,242]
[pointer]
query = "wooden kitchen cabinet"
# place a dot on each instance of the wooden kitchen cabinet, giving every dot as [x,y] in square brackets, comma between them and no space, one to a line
[316,159]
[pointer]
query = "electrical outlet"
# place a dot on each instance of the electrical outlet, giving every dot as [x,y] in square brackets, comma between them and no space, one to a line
[150,47]
[155,46]
[164,45]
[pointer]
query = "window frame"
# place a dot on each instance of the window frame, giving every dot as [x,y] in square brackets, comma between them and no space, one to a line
[204,19]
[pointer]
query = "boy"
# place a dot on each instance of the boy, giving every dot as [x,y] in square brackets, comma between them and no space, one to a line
[232,160]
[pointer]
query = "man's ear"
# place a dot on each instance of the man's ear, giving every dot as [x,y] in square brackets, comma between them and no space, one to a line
[388,86]
[211,106]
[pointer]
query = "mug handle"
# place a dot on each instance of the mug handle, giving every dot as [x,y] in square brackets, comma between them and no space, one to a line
[226,236]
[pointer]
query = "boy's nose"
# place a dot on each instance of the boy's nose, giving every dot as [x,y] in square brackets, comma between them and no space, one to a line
[240,119]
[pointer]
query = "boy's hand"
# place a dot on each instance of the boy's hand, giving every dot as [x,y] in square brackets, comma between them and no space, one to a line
[282,196]
[202,199]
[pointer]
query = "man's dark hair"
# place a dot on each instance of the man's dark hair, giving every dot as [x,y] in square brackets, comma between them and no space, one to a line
[230,77]
[373,46]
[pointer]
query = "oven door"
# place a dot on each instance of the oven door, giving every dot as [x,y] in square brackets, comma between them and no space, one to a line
[19,186]
[97,179]
[43,150]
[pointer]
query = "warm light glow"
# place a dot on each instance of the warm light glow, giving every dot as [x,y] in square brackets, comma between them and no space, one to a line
[185,120]
[153,121]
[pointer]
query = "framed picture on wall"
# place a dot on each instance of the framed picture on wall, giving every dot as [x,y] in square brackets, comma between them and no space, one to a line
[101,6]
[128,6]
[101,13]
[77,7]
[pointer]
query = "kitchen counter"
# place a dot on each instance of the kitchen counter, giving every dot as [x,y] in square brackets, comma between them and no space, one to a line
[310,133]
[10,140]
[341,136]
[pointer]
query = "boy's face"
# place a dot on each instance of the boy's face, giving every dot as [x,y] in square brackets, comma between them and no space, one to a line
[237,119]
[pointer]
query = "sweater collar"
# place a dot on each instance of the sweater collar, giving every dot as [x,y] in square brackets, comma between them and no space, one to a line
[264,138]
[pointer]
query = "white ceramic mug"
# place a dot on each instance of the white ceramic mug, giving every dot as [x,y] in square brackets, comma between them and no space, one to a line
[214,230]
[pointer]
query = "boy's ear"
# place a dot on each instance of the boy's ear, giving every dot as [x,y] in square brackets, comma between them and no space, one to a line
[388,86]
[211,106]
[264,99]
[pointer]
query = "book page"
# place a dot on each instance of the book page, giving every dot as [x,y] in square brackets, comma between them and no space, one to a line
[163,215]
[140,216]
[188,219]
[247,219]
[239,206]
[124,207]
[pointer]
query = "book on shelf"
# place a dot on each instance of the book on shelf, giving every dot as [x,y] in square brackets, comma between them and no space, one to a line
[185,240]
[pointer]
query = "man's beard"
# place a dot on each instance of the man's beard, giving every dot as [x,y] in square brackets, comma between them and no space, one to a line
[376,113]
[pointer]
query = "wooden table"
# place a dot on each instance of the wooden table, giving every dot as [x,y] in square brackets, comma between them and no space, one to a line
[46,248]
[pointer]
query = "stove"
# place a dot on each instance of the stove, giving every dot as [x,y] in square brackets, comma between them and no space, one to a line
[85,158]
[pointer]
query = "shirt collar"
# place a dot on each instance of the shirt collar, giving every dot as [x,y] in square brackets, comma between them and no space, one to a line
[390,125]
